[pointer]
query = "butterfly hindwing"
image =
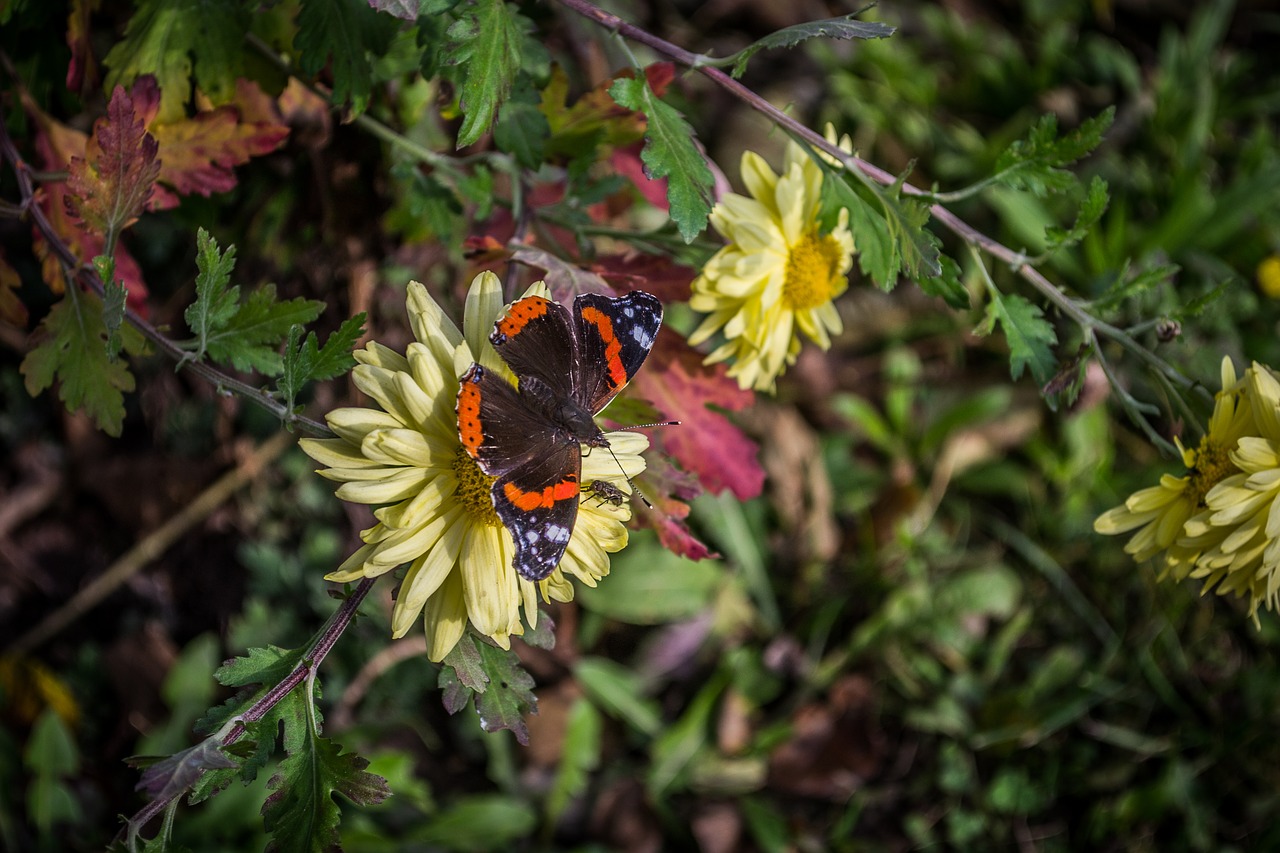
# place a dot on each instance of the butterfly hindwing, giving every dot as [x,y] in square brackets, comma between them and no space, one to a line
[538,503]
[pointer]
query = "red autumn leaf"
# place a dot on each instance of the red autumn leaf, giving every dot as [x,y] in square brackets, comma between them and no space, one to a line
[197,154]
[706,443]
[56,144]
[670,488]
[112,183]
[662,277]
[82,71]
[626,162]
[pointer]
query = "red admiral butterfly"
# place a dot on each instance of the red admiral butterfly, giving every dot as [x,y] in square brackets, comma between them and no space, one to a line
[569,367]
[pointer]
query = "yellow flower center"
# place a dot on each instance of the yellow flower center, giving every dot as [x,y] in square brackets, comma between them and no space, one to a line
[1213,463]
[813,271]
[474,489]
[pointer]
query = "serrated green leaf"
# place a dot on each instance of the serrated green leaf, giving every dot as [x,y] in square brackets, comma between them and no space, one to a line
[1035,163]
[1091,210]
[488,42]
[215,303]
[508,695]
[176,40]
[308,362]
[342,34]
[73,348]
[114,298]
[243,334]
[669,152]
[464,673]
[301,814]
[1125,286]
[1029,335]
[1197,305]
[889,233]
[249,339]
[947,285]
[579,755]
[522,131]
[843,27]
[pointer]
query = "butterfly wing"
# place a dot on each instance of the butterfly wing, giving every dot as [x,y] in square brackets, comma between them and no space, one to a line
[536,494]
[614,338]
[538,503]
[535,338]
[496,425]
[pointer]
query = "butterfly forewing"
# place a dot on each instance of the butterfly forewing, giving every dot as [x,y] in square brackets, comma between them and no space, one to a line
[614,338]
[535,338]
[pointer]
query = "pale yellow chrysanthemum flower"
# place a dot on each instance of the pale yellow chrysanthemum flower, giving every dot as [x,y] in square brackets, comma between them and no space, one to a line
[1161,514]
[1243,510]
[437,514]
[778,274]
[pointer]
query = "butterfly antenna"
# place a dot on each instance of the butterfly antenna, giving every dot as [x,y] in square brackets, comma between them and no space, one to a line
[636,489]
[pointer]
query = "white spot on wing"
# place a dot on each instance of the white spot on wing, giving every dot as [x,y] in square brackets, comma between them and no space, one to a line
[558,534]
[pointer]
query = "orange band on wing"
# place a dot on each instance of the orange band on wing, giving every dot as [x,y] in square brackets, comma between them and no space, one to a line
[521,314]
[469,428]
[562,491]
[612,346]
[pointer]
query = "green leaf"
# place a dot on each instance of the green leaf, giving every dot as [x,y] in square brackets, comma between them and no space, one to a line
[889,232]
[844,27]
[114,298]
[1091,210]
[309,362]
[50,756]
[1028,333]
[481,822]
[227,330]
[301,814]
[178,39]
[509,694]
[619,692]
[342,34]
[502,689]
[1035,163]
[669,152]
[462,675]
[215,303]
[676,748]
[522,131]
[579,755]
[947,285]
[488,42]
[73,348]
[664,588]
